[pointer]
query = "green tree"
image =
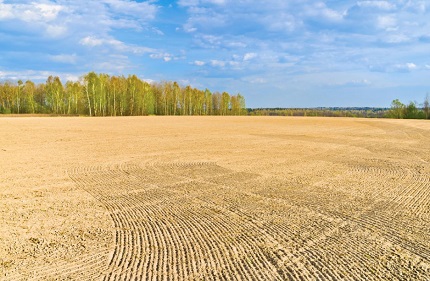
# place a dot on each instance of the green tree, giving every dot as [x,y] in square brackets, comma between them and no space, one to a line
[102,95]
[18,96]
[6,94]
[411,111]
[208,103]
[397,109]
[55,95]
[426,107]
[29,90]
[242,104]
[225,103]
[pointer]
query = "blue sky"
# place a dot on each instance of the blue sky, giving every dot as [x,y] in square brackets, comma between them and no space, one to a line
[277,53]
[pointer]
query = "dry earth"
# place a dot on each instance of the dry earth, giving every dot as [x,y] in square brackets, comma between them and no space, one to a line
[234,198]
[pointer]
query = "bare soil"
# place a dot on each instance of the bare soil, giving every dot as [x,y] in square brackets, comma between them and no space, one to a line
[214,198]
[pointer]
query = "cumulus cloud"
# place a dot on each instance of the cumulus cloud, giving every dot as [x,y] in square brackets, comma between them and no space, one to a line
[64,15]
[5,11]
[32,12]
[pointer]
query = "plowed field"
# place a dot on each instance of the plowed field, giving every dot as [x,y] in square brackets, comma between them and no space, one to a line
[214,198]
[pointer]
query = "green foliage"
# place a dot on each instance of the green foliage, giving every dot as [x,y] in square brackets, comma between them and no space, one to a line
[104,95]
[411,111]
[426,107]
[397,110]
[363,112]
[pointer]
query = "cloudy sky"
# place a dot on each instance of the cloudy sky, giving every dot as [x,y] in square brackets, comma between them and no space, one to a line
[277,53]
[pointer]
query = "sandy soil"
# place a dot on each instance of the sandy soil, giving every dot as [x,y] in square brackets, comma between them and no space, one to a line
[236,198]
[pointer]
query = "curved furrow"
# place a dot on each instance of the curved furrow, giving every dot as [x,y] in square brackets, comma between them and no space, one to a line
[324,250]
[182,219]
[189,221]
[269,230]
[410,196]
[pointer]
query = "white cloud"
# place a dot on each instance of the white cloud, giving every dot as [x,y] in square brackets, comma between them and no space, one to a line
[199,63]
[64,58]
[205,21]
[91,41]
[320,9]
[350,83]
[164,56]
[212,40]
[217,2]
[417,6]
[383,5]
[218,63]
[48,12]
[396,38]
[5,11]
[32,12]
[401,67]
[37,75]
[188,3]
[281,22]
[411,66]
[194,3]
[388,22]
[236,44]
[71,77]
[56,30]
[139,10]
[255,80]
[249,56]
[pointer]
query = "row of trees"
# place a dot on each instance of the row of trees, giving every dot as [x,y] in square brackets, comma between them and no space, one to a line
[409,111]
[104,95]
[397,110]
[364,112]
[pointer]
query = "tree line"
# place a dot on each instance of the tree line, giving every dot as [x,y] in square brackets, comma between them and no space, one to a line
[98,94]
[400,110]
[363,112]
[397,110]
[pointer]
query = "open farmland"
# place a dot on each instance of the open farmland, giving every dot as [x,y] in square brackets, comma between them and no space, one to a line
[231,198]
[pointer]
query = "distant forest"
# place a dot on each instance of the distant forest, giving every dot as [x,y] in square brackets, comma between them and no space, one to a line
[104,95]
[397,110]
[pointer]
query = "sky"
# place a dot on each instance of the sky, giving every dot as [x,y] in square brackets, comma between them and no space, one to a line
[276,53]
